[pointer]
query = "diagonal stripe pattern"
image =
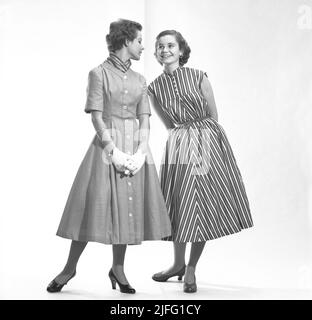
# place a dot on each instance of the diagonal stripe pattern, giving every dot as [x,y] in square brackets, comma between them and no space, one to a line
[200,180]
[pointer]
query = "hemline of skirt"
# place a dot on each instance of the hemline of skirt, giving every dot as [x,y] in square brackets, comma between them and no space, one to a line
[171,238]
[95,239]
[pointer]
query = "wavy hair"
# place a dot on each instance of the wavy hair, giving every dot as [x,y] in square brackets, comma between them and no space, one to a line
[120,31]
[183,45]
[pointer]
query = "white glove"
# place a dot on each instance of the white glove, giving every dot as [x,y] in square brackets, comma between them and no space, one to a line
[120,159]
[138,161]
[130,166]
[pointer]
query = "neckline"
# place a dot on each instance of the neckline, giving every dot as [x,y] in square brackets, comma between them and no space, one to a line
[173,72]
[114,69]
[114,60]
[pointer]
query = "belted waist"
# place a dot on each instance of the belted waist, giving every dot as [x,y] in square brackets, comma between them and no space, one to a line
[194,120]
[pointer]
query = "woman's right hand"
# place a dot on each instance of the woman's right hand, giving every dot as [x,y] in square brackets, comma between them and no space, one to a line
[119,159]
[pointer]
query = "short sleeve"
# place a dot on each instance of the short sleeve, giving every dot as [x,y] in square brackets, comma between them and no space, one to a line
[143,106]
[150,90]
[95,100]
[202,74]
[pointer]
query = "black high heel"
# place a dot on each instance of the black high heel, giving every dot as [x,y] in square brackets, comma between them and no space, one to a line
[56,287]
[124,288]
[165,277]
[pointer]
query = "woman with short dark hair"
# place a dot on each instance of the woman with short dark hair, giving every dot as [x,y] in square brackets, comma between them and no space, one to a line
[200,180]
[116,197]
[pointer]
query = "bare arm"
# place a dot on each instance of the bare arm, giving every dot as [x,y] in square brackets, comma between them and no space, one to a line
[163,117]
[102,131]
[207,92]
[144,131]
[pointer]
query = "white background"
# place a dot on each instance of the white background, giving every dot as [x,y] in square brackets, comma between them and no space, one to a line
[257,56]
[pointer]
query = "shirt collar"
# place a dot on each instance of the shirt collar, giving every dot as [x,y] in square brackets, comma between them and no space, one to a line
[117,63]
[174,72]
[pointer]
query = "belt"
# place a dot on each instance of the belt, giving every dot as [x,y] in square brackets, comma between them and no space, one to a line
[194,120]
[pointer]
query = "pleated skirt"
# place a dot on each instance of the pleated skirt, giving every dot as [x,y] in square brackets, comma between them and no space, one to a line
[107,207]
[202,184]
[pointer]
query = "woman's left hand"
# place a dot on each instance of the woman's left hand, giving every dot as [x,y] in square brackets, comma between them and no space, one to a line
[138,160]
[130,165]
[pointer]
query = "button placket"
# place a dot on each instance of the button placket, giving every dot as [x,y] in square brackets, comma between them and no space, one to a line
[175,87]
[128,148]
[131,218]
[128,133]
[130,197]
[130,201]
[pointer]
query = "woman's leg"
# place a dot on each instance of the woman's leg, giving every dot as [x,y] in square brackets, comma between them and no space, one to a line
[196,251]
[119,252]
[179,255]
[179,259]
[75,251]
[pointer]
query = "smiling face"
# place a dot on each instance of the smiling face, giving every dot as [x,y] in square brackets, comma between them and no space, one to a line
[168,51]
[135,47]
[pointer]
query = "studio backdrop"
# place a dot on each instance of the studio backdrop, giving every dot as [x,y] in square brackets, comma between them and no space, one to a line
[257,55]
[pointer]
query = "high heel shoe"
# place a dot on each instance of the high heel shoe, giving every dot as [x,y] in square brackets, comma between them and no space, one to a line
[164,277]
[56,287]
[190,287]
[124,288]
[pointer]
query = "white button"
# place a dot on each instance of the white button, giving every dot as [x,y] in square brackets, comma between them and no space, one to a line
[128,136]
[129,183]
[130,214]
[125,107]
[130,198]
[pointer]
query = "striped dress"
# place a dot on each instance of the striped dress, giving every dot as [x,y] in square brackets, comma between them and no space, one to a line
[201,182]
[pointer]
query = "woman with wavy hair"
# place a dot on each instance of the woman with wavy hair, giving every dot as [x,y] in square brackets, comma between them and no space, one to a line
[200,180]
[116,197]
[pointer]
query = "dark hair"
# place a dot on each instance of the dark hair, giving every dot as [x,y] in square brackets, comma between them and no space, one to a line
[120,31]
[183,46]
